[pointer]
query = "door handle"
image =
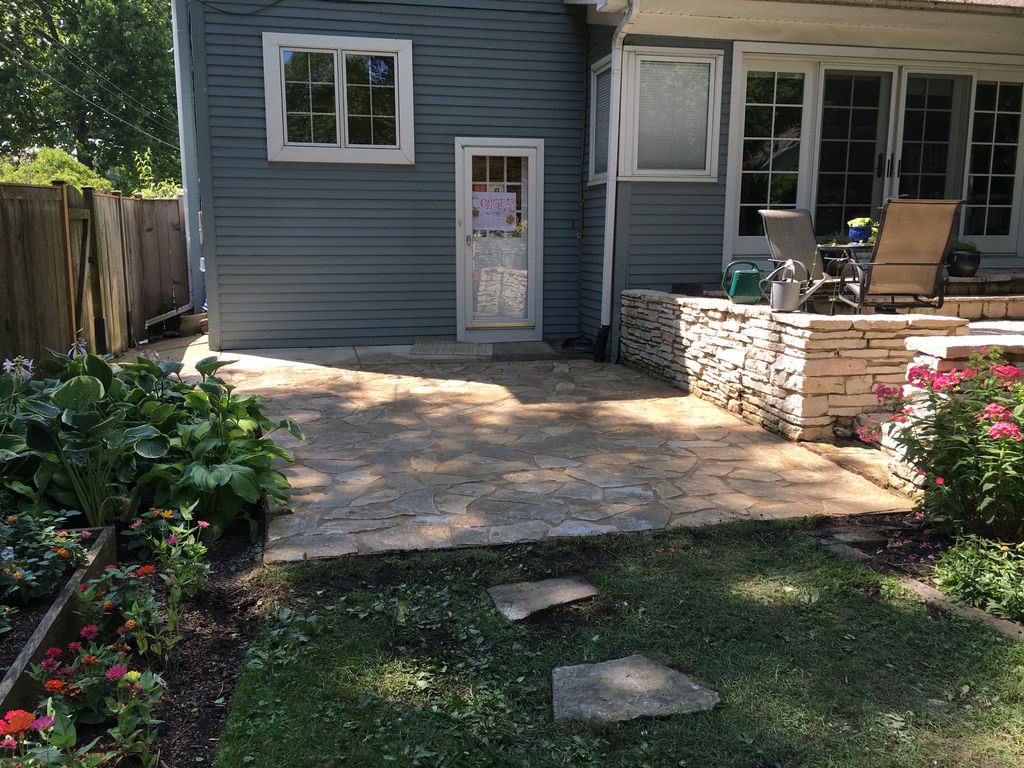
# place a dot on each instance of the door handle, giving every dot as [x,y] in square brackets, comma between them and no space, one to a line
[888,168]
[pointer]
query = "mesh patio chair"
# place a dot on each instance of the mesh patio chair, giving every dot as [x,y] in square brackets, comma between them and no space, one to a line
[906,264]
[790,236]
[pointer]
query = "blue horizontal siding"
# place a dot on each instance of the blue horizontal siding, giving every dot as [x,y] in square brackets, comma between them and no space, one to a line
[309,254]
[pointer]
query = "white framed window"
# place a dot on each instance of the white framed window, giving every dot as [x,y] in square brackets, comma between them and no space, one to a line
[600,113]
[672,101]
[338,99]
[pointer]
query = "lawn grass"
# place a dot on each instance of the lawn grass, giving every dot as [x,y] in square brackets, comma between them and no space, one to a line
[818,660]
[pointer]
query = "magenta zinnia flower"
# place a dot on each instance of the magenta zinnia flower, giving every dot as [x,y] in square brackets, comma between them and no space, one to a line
[202,524]
[42,723]
[172,539]
[90,631]
[116,673]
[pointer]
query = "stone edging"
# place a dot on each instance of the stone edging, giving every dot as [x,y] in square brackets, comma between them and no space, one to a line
[17,689]
[929,594]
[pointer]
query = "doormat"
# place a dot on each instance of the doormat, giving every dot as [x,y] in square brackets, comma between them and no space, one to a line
[425,346]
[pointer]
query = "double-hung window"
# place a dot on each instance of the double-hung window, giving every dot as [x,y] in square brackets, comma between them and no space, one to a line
[338,99]
[672,106]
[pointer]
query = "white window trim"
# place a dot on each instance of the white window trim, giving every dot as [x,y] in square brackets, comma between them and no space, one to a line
[632,58]
[279,151]
[599,67]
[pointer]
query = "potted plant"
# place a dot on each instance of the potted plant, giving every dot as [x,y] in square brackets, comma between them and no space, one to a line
[963,259]
[861,229]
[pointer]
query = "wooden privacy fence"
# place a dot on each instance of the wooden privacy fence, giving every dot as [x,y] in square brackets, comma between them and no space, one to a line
[87,263]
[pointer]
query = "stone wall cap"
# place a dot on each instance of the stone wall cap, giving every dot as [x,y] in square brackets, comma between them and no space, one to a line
[962,347]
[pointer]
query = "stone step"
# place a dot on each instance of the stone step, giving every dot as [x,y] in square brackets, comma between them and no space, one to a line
[517,601]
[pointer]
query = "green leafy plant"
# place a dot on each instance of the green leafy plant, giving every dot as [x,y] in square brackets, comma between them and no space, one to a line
[132,705]
[226,458]
[986,574]
[36,551]
[6,614]
[46,741]
[964,245]
[123,602]
[961,431]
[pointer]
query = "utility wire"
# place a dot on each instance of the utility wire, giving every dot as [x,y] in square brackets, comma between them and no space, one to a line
[95,72]
[85,98]
[253,12]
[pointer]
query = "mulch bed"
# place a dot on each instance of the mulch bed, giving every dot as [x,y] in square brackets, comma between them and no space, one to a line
[204,667]
[23,624]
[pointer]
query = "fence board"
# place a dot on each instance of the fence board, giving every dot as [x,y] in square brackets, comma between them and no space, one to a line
[33,277]
[128,259]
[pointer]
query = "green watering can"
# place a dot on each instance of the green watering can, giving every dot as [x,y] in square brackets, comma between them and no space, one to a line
[743,286]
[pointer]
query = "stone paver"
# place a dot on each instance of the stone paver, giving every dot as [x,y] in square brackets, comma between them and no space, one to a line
[623,689]
[519,600]
[419,456]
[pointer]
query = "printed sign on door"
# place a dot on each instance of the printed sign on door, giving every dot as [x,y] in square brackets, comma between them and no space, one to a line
[494,211]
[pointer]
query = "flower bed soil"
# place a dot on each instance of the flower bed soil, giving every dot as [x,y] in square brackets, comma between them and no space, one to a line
[204,667]
[23,624]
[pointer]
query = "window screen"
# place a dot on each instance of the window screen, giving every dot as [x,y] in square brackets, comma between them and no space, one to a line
[673,115]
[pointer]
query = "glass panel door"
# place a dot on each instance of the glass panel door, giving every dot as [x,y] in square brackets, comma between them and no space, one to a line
[500,226]
[992,192]
[935,112]
[853,163]
[500,247]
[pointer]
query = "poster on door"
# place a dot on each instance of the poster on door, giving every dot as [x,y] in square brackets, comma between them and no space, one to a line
[494,211]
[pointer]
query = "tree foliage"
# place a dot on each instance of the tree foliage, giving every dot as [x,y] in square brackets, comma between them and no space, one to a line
[117,54]
[49,165]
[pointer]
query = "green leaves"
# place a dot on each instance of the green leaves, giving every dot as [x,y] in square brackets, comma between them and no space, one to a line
[77,393]
[210,365]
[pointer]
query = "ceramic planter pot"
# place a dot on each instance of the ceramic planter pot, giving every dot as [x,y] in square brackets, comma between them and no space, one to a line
[963,263]
[859,234]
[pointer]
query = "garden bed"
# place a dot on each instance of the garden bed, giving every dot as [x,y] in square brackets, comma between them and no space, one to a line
[52,622]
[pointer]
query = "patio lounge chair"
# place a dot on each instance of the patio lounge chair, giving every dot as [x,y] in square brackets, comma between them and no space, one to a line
[906,264]
[790,235]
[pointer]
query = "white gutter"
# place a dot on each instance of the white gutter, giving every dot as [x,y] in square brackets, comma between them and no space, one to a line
[612,183]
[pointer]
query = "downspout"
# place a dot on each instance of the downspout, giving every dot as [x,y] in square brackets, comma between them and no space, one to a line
[612,183]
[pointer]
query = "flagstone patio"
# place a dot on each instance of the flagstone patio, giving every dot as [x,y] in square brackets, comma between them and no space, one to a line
[404,456]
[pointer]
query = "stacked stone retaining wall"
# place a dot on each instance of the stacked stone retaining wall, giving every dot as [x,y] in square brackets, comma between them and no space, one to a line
[802,375]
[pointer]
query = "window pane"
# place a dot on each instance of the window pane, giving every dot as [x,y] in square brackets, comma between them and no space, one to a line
[371,93]
[673,118]
[602,109]
[310,99]
[994,142]
[770,167]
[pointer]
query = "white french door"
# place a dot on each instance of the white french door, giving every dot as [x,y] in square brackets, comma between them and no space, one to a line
[840,137]
[499,193]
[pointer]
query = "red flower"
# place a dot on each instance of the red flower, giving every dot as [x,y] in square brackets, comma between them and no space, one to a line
[90,631]
[17,722]
[54,686]
[146,570]
[1006,371]
[940,481]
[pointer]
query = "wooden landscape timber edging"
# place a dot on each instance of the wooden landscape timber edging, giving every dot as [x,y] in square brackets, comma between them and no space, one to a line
[86,263]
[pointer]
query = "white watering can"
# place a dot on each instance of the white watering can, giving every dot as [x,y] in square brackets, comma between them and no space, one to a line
[782,288]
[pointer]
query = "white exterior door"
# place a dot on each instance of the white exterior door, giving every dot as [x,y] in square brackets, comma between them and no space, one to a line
[499,230]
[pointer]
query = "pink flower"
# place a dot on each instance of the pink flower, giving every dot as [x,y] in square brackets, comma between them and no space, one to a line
[8,742]
[919,374]
[1003,429]
[90,631]
[919,515]
[116,673]
[202,524]
[48,665]
[74,646]
[42,723]
[940,481]
[1006,371]
[172,539]
[54,652]
[135,523]
[996,412]
[85,535]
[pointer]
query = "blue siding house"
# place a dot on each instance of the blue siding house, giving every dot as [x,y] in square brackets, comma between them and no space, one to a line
[362,172]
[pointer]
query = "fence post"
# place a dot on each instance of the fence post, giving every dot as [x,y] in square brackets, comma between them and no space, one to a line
[99,310]
[124,266]
[68,264]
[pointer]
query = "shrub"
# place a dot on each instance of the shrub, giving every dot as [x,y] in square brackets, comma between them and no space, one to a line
[48,165]
[963,436]
[986,574]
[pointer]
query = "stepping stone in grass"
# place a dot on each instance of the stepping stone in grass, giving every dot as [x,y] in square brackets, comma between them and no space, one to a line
[517,601]
[623,689]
